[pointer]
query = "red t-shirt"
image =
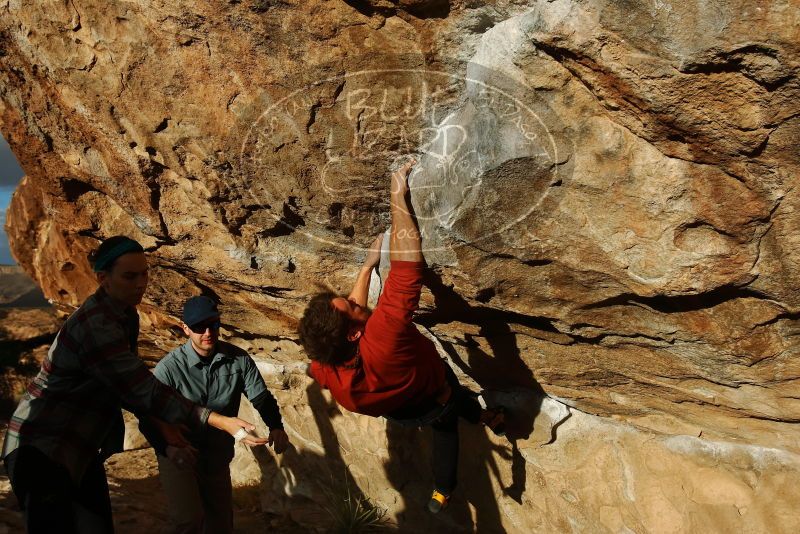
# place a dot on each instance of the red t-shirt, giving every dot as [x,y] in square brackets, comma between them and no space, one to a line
[399,366]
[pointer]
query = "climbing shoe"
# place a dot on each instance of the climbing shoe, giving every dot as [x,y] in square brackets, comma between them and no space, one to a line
[495,420]
[438,502]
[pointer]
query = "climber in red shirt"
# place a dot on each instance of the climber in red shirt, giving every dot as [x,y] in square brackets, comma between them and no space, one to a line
[377,363]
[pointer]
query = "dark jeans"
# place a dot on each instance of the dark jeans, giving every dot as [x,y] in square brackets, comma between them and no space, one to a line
[52,502]
[200,499]
[443,420]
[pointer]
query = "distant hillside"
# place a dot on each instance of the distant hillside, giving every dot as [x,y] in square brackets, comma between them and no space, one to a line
[10,269]
[17,290]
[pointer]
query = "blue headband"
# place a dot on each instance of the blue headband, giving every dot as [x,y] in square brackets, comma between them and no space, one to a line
[107,258]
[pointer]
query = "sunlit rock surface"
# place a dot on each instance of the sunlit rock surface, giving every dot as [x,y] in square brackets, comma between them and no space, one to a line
[607,190]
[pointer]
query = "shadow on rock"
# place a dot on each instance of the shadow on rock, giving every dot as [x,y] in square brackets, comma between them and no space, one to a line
[505,380]
[322,501]
[410,454]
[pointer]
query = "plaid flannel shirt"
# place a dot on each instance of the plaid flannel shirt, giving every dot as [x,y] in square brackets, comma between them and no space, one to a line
[72,409]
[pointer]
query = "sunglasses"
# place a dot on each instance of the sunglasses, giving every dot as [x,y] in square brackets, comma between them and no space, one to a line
[201,327]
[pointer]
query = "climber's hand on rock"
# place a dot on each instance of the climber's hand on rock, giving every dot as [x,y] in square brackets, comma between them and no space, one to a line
[400,178]
[374,254]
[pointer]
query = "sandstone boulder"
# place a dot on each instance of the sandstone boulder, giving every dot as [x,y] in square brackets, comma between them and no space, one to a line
[608,193]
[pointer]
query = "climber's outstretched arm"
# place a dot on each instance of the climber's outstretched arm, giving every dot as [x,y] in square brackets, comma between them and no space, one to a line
[360,291]
[406,242]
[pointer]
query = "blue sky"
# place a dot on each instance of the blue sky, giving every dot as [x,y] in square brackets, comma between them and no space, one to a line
[10,175]
[5,198]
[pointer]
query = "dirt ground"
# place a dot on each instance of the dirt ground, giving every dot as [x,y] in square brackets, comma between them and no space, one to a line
[139,504]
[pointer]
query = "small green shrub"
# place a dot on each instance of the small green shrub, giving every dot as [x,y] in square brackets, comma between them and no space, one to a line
[352,511]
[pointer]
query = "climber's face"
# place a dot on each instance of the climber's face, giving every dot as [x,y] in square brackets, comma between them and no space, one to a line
[126,280]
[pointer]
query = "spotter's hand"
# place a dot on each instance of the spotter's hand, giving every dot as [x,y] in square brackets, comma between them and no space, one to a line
[278,439]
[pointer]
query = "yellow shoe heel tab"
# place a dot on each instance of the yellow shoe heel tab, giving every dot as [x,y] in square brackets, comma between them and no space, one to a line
[441,497]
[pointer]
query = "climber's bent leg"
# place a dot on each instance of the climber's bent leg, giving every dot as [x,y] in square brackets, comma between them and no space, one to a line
[445,453]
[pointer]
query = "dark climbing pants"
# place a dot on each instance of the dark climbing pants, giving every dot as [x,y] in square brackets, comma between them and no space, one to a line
[443,420]
[52,502]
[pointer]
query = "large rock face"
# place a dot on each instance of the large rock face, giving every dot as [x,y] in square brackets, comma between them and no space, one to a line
[607,190]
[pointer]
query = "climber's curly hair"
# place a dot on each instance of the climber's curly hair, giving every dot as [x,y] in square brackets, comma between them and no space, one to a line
[323,331]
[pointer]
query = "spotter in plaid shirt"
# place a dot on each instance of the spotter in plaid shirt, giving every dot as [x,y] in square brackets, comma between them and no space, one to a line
[71,411]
